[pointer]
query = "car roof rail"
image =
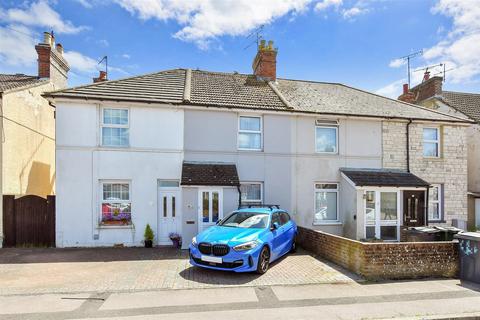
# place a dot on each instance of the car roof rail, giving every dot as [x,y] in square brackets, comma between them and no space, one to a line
[259,205]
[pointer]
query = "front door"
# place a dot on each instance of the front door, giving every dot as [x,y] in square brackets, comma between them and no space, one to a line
[413,208]
[168,215]
[210,207]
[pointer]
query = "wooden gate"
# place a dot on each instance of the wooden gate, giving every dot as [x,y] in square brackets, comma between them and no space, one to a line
[29,221]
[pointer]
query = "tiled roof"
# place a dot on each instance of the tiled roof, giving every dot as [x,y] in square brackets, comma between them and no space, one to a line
[233,90]
[165,86]
[14,81]
[383,178]
[466,103]
[334,98]
[209,174]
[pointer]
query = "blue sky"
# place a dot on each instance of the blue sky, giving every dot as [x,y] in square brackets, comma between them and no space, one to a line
[354,42]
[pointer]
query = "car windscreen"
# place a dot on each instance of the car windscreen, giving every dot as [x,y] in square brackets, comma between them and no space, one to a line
[255,220]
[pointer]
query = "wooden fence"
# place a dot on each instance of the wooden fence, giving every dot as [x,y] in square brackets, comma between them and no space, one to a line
[29,221]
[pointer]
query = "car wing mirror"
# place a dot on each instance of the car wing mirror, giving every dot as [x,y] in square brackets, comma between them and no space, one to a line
[275,226]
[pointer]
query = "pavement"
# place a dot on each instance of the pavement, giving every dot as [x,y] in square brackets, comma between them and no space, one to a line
[134,269]
[134,283]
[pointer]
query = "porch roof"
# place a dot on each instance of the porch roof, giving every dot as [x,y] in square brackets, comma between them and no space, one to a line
[209,174]
[383,178]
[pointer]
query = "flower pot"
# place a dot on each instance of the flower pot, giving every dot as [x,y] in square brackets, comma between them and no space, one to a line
[176,243]
[148,243]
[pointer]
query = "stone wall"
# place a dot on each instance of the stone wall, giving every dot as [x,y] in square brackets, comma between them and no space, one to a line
[450,169]
[381,261]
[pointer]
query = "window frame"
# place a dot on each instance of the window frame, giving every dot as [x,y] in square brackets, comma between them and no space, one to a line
[102,201]
[246,202]
[337,192]
[439,201]
[107,125]
[326,126]
[378,223]
[437,142]
[239,131]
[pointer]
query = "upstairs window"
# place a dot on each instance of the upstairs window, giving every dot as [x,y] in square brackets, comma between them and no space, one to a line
[250,133]
[431,142]
[115,127]
[326,139]
[251,193]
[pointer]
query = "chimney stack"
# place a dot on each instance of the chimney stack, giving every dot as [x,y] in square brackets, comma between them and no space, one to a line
[101,77]
[407,95]
[265,62]
[51,63]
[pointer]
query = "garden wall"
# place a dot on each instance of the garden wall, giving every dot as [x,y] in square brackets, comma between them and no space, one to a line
[380,261]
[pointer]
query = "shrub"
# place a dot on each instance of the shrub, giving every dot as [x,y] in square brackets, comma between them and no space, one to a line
[148,235]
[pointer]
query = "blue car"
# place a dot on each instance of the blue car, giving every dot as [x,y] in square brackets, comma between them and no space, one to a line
[248,239]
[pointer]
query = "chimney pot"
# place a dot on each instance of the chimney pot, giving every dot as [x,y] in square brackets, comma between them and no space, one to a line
[59,48]
[405,88]
[101,77]
[47,38]
[426,75]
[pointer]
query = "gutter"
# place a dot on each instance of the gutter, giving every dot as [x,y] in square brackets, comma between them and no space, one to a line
[465,122]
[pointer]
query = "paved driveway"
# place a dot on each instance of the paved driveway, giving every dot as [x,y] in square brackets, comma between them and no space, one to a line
[30,271]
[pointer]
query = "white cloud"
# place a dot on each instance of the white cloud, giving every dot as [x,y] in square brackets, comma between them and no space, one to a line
[126,56]
[80,62]
[392,90]
[325,4]
[460,48]
[204,20]
[85,3]
[396,63]
[103,42]
[353,12]
[83,64]
[40,14]
[17,48]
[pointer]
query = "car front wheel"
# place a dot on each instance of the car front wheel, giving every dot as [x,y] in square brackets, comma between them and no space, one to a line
[263,261]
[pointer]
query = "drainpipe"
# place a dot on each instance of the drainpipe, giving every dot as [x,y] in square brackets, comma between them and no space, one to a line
[426,206]
[239,197]
[408,144]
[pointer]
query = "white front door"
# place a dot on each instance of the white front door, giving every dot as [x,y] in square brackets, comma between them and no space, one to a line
[210,207]
[169,215]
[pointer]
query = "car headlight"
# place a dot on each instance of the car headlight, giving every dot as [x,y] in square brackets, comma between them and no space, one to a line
[194,241]
[246,246]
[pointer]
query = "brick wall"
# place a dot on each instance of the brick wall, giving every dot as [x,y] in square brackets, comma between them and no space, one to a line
[377,261]
[450,169]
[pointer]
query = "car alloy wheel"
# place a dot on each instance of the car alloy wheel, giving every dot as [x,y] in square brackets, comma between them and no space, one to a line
[263,260]
[294,245]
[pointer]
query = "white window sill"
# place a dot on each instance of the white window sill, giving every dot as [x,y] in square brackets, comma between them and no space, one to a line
[130,226]
[251,150]
[328,223]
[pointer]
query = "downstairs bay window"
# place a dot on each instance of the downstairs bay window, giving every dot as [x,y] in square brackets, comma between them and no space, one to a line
[116,206]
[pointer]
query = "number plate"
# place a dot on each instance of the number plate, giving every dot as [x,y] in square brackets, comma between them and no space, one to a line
[211,259]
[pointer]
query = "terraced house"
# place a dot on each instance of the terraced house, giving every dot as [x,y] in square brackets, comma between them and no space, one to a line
[178,149]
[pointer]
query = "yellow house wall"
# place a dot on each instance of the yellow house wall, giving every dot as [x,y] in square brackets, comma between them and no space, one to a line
[28,142]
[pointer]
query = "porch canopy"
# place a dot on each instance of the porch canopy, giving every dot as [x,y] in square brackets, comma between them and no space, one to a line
[383,178]
[209,174]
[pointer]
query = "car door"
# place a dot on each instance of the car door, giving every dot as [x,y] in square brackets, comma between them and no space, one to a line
[288,232]
[277,236]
